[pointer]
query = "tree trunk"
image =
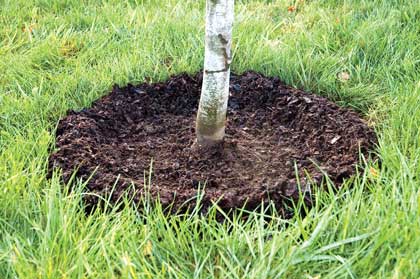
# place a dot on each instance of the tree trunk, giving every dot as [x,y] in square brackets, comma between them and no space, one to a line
[211,116]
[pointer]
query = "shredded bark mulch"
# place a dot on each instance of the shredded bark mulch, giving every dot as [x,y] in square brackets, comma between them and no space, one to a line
[280,141]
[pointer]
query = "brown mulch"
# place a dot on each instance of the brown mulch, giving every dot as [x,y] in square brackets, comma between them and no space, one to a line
[272,131]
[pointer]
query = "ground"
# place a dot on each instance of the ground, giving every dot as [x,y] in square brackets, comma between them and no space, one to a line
[57,56]
[280,144]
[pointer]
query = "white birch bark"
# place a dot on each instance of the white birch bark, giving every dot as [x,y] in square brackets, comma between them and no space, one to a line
[211,116]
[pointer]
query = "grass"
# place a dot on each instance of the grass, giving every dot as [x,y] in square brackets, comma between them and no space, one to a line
[61,55]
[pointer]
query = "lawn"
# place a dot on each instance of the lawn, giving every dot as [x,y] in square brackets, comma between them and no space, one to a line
[62,55]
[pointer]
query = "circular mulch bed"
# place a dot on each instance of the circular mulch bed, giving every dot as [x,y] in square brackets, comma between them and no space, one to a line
[272,131]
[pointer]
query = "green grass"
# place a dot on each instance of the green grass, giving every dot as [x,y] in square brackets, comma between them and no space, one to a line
[61,55]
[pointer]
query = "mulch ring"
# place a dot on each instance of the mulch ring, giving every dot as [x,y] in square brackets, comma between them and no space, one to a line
[278,137]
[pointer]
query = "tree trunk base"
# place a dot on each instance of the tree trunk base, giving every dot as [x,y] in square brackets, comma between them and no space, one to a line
[207,146]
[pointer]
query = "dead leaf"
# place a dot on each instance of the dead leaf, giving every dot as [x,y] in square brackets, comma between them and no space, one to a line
[343,76]
[147,249]
[28,28]
[291,9]
[69,48]
[373,172]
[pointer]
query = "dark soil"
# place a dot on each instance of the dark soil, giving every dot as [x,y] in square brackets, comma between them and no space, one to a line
[272,130]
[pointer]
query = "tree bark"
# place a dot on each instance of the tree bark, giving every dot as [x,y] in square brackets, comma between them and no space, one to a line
[211,116]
